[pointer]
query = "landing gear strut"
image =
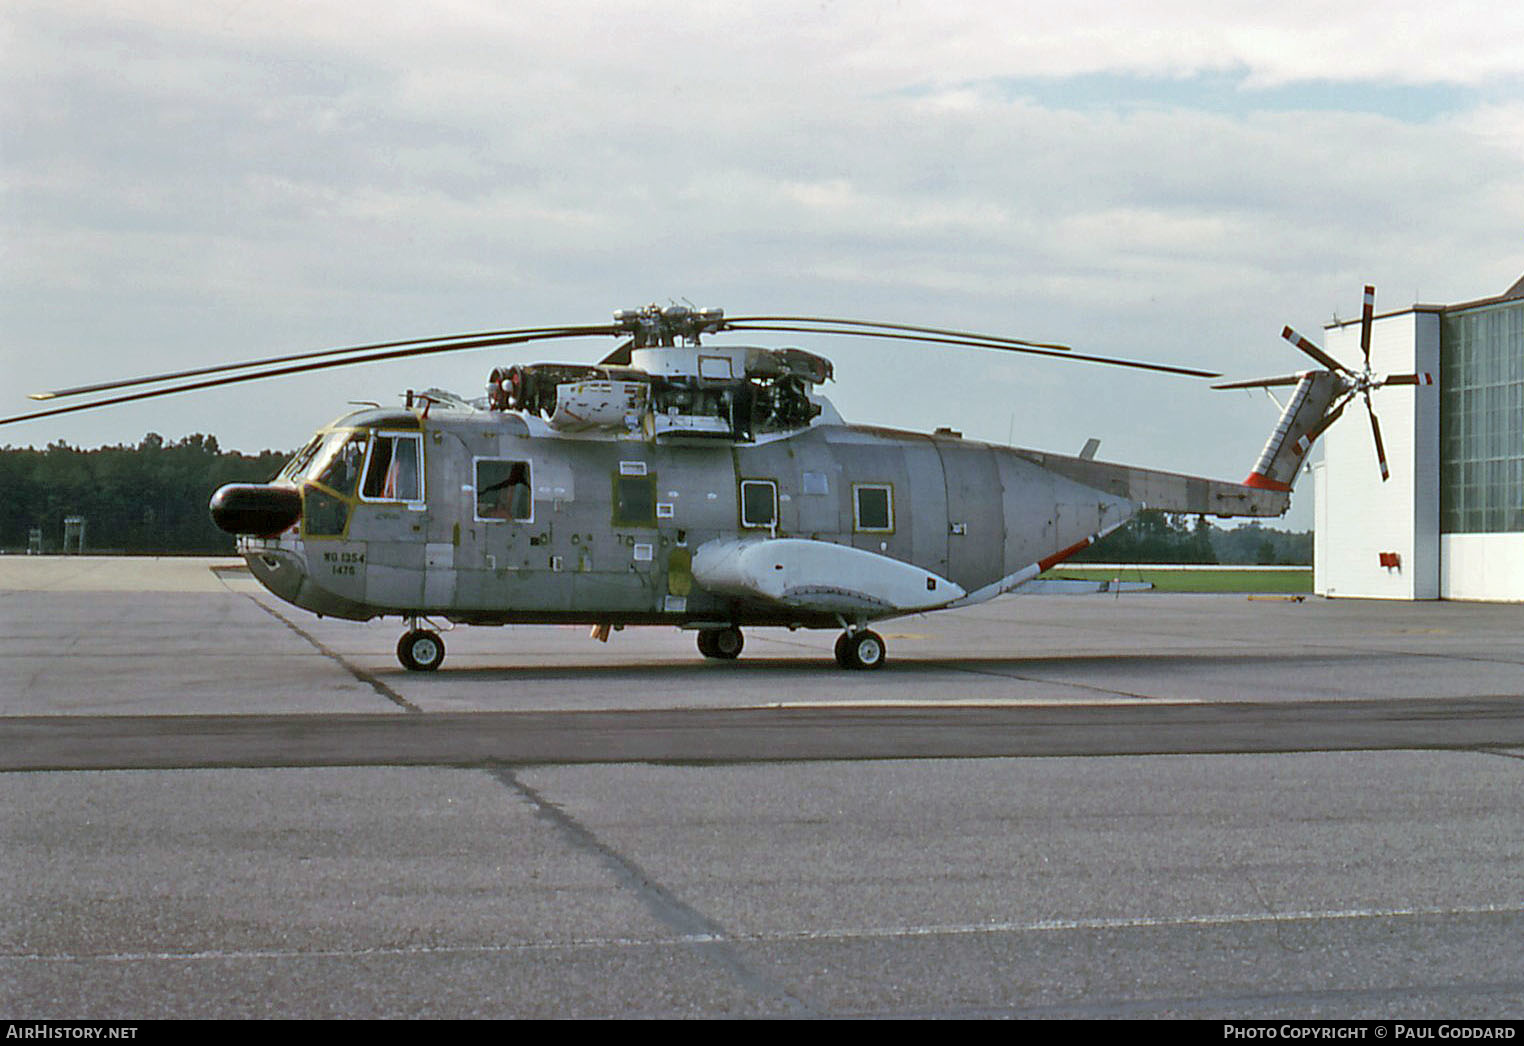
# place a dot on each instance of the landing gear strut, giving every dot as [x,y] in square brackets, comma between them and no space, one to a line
[862,649]
[420,650]
[722,643]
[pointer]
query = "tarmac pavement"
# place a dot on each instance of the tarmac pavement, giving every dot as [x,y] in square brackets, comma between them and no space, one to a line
[215,805]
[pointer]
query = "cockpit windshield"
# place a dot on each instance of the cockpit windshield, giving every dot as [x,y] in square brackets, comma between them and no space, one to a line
[338,464]
[297,466]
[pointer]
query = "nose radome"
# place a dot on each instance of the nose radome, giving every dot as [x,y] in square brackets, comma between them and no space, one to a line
[255,509]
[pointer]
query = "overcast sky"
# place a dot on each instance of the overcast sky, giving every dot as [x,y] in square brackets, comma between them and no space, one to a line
[186,184]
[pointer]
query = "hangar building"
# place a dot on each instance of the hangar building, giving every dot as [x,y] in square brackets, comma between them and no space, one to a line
[1449,524]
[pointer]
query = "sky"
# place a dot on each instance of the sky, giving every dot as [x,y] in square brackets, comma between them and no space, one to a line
[182,185]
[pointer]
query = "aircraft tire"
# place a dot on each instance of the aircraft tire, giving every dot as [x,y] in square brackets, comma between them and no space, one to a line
[863,650]
[725,644]
[421,650]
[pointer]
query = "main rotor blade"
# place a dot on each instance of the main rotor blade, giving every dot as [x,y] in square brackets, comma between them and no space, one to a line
[483,343]
[319,354]
[1260,383]
[1366,312]
[978,344]
[974,336]
[1408,379]
[1312,350]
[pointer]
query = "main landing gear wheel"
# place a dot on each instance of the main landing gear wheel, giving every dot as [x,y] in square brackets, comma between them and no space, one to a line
[722,643]
[861,650]
[420,650]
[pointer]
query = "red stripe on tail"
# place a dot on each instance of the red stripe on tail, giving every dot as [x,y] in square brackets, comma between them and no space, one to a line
[1259,482]
[1059,557]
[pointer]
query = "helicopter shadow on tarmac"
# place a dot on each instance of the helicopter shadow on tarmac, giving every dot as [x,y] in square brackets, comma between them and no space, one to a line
[1171,676]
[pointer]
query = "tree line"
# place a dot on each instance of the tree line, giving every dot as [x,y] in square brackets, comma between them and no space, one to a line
[152,498]
[1153,536]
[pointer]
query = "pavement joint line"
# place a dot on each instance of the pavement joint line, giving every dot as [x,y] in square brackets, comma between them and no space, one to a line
[688,921]
[1048,682]
[359,673]
[708,939]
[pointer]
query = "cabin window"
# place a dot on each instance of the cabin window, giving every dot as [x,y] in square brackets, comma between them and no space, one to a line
[759,503]
[634,501]
[393,473]
[873,507]
[503,490]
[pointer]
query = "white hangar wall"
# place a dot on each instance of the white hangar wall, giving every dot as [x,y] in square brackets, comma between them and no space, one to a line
[1449,524]
[1361,520]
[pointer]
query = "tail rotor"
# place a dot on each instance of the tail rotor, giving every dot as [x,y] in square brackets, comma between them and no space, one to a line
[1319,400]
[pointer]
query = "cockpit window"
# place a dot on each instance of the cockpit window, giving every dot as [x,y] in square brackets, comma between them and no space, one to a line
[394,473]
[339,467]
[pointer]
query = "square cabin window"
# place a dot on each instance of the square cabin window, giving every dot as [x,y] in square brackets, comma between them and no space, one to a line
[873,507]
[634,501]
[503,490]
[759,503]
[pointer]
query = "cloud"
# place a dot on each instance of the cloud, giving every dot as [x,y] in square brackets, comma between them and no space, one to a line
[1172,181]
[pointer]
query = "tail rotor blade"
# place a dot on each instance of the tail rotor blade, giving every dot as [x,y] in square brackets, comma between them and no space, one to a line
[1323,426]
[1312,350]
[1366,312]
[1380,447]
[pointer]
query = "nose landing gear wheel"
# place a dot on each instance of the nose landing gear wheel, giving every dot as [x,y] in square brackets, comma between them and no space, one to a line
[420,650]
[722,643]
[861,650]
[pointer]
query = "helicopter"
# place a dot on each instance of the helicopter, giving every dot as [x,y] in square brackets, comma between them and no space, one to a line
[686,483]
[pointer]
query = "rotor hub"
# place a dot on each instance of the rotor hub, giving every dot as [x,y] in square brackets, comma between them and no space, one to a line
[669,324]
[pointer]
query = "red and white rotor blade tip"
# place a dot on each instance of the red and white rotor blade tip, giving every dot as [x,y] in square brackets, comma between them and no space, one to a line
[1386,473]
[1312,350]
[1367,311]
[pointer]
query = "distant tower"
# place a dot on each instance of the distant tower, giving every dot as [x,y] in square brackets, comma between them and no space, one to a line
[74,534]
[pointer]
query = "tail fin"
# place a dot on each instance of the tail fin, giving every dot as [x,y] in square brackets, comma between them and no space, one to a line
[1305,418]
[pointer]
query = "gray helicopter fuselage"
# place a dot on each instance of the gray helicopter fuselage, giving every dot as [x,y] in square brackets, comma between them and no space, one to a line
[609,526]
